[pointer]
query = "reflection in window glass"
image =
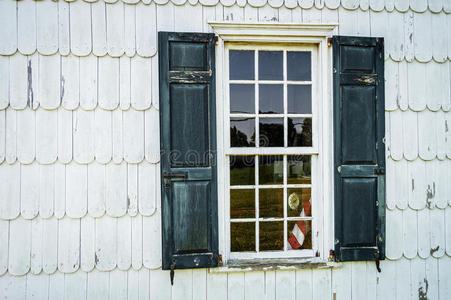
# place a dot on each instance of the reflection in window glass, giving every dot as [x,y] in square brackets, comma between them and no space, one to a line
[242,203]
[271,236]
[299,66]
[299,169]
[242,170]
[242,132]
[270,169]
[299,98]
[270,203]
[241,64]
[298,202]
[270,99]
[299,132]
[242,98]
[270,65]
[242,236]
[299,234]
[271,132]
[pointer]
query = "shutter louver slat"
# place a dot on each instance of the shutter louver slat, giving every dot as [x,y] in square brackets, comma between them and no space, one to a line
[359,148]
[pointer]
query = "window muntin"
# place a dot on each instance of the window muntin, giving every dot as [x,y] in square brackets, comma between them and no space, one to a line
[271,150]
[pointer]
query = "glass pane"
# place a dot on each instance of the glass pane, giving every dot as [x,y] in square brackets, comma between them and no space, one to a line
[242,98]
[271,236]
[241,64]
[242,132]
[298,202]
[299,66]
[242,203]
[271,132]
[299,169]
[270,65]
[299,234]
[242,170]
[299,99]
[242,237]
[270,203]
[270,169]
[270,99]
[299,132]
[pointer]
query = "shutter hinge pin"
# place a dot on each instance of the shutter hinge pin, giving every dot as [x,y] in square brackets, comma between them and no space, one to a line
[220,260]
[172,274]
[329,42]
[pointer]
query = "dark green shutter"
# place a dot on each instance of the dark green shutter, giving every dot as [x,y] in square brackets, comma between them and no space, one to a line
[359,150]
[188,150]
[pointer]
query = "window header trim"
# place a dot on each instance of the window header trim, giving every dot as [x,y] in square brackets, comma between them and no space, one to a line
[288,32]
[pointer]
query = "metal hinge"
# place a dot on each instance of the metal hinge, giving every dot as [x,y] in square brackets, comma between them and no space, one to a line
[172,274]
[379,171]
[378,263]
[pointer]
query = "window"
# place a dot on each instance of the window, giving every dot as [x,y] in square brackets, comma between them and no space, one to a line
[272,150]
[271,145]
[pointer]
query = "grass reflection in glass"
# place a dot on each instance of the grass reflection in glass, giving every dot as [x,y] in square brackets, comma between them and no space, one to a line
[242,237]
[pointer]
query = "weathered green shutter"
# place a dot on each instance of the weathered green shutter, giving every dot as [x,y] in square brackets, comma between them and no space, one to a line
[188,150]
[359,148]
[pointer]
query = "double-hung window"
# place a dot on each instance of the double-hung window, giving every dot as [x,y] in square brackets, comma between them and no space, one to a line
[271,138]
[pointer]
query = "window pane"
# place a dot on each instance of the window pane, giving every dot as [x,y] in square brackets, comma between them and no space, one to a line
[242,170]
[299,132]
[298,202]
[270,203]
[270,65]
[242,98]
[271,132]
[270,99]
[270,169]
[242,203]
[299,99]
[242,237]
[299,235]
[241,64]
[299,66]
[271,236]
[242,132]
[299,169]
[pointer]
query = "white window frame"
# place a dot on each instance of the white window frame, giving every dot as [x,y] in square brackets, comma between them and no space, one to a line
[322,169]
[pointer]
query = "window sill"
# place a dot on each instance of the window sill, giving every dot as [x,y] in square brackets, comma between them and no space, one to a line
[249,265]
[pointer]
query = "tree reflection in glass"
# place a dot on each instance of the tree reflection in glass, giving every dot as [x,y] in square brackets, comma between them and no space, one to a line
[242,132]
[299,132]
[271,132]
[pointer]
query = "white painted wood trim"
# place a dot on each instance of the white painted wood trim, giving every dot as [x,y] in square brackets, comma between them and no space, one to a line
[315,35]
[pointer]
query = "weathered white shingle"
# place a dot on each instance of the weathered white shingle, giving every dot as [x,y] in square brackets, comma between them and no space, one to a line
[29,190]
[80,28]
[8,27]
[70,82]
[18,79]
[116,189]
[19,246]
[47,26]
[26,27]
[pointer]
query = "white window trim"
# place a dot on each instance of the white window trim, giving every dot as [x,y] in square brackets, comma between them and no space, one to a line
[314,34]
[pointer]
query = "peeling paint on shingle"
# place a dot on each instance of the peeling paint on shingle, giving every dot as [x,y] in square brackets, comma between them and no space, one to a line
[422,293]
[433,250]
[63,81]
[30,97]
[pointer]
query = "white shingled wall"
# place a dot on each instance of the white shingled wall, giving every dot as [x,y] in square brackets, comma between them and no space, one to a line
[79,150]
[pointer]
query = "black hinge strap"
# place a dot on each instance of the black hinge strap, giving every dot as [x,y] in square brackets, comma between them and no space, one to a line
[378,262]
[172,274]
